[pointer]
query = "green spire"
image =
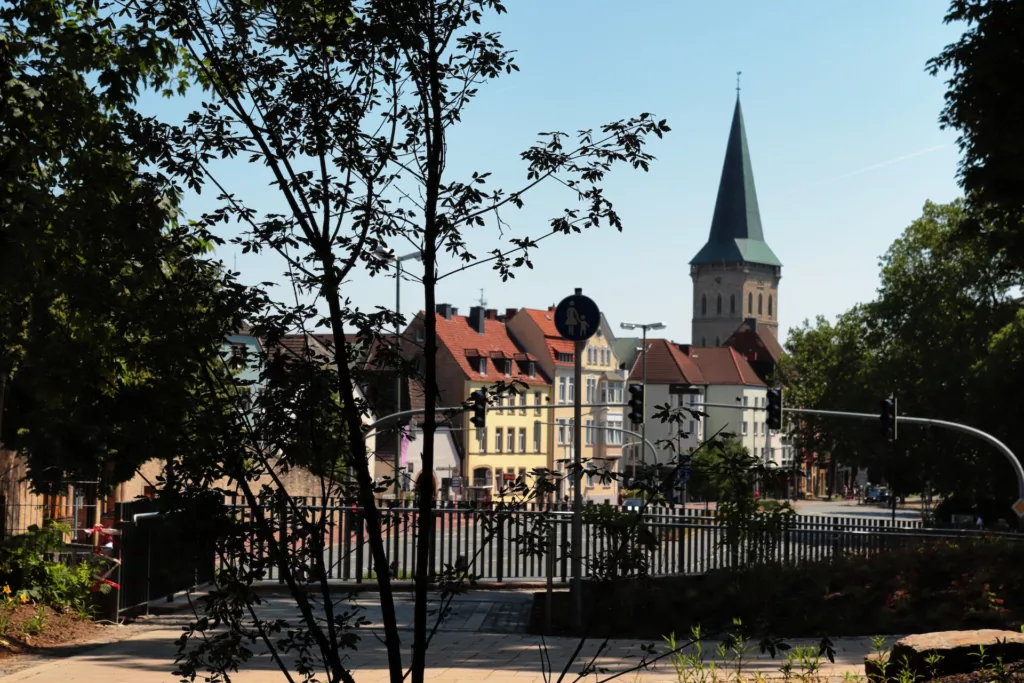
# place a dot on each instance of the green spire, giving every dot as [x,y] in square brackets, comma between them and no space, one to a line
[736,235]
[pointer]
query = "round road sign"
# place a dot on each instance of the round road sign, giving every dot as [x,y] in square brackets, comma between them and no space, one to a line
[577,317]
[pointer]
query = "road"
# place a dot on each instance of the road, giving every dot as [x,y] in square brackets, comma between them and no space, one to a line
[843,508]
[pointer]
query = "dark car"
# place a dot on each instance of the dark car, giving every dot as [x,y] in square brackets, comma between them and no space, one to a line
[876,494]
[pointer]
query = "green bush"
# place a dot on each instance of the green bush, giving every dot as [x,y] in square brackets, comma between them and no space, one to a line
[31,563]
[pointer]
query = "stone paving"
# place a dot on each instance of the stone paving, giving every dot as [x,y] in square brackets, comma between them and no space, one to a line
[466,648]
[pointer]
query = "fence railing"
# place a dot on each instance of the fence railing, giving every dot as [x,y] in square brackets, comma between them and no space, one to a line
[508,546]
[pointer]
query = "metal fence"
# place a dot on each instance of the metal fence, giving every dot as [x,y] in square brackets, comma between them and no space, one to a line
[72,503]
[508,546]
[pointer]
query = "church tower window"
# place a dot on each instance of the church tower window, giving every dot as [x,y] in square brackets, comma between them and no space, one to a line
[732,304]
[718,306]
[750,303]
[760,300]
[718,341]
[769,305]
[703,341]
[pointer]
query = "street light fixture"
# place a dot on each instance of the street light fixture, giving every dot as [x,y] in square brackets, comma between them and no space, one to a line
[398,260]
[643,379]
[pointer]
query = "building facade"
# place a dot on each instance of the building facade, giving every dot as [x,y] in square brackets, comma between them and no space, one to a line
[601,382]
[475,352]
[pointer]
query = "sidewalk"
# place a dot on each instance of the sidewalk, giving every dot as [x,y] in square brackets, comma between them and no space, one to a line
[454,657]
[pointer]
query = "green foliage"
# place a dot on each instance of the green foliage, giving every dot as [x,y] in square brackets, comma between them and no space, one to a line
[981,67]
[30,563]
[944,334]
[625,541]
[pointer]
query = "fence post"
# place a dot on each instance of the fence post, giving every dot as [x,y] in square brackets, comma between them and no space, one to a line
[501,547]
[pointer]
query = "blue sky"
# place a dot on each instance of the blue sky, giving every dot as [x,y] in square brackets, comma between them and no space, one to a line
[841,120]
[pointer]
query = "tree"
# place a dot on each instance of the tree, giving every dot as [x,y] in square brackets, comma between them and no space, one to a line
[939,336]
[981,103]
[348,108]
[107,306]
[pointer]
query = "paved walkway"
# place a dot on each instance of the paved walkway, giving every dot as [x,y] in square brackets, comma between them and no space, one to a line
[465,649]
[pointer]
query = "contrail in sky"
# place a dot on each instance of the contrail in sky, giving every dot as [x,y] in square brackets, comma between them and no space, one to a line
[890,162]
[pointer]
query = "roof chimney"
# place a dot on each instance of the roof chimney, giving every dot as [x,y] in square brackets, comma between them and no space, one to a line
[752,322]
[445,310]
[492,314]
[510,312]
[477,316]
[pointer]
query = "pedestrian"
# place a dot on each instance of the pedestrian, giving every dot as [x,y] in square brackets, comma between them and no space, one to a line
[393,570]
[979,523]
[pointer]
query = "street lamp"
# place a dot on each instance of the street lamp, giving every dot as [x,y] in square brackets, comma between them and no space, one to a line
[398,260]
[643,380]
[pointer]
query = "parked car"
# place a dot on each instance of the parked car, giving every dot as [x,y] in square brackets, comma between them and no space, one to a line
[876,494]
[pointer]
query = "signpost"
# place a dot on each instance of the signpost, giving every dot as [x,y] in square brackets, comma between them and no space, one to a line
[577,319]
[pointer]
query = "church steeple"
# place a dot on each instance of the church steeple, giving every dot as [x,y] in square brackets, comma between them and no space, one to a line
[736,274]
[736,234]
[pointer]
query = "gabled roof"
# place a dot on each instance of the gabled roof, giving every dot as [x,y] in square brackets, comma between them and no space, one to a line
[736,234]
[755,343]
[298,344]
[464,342]
[722,365]
[555,343]
[666,364]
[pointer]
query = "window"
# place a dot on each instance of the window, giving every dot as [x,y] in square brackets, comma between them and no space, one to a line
[563,357]
[572,388]
[536,437]
[561,389]
[571,431]
[537,403]
[770,310]
[508,368]
[498,436]
[703,304]
[611,392]
[732,303]
[764,453]
[759,300]
[522,473]
[743,428]
[693,427]
[755,429]
[589,439]
[718,305]
[482,363]
[612,435]
[764,430]
[750,302]
[744,401]
[497,478]
[531,369]
[481,439]
[561,432]
[591,390]
[522,439]
[718,341]
[522,404]
[421,335]
[703,341]
[511,440]
[482,476]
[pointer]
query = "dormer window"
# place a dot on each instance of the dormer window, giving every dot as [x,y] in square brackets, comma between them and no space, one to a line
[531,369]
[508,368]
[482,365]
[421,335]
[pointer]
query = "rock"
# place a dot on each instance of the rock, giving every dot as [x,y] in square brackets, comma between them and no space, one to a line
[958,649]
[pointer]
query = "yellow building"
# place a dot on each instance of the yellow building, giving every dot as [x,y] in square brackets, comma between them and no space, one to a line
[477,352]
[601,382]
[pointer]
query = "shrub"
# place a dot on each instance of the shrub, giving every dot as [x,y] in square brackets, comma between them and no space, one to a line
[31,563]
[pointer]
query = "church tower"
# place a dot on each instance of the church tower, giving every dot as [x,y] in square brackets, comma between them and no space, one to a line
[735,274]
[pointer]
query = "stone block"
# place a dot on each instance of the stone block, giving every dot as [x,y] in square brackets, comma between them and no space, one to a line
[958,649]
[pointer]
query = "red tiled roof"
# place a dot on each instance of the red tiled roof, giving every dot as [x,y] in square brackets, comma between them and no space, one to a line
[555,343]
[666,364]
[722,365]
[460,339]
[755,340]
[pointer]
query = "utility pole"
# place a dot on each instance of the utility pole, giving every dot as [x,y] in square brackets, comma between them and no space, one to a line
[577,486]
[643,370]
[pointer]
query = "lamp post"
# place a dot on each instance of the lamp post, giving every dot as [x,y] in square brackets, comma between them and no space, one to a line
[398,260]
[643,379]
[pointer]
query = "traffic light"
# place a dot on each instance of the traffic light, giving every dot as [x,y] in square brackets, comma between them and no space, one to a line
[636,403]
[479,398]
[888,418]
[774,420]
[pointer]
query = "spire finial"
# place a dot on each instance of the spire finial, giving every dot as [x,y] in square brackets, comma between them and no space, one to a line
[738,74]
